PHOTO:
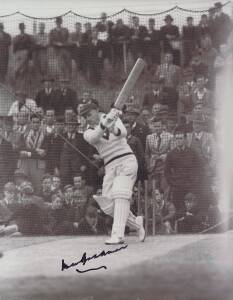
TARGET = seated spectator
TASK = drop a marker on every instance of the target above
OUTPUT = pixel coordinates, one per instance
(170, 39)
(201, 94)
(8, 205)
(81, 195)
(169, 72)
(19, 177)
(92, 223)
(164, 213)
(30, 217)
(32, 151)
(46, 191)
(23, 104)
(193, 219)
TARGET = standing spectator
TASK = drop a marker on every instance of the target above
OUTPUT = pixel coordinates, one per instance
(40, 51)
(136, 145)
(60, 56)
(47, 97)
(120, 35)
(68, 97)
(33, 149)
(137, 34)
(76, 40)
(71, 161)
(137, 129)
(157, 147)
(170, 39)
(55, 146)
(22, 49)
(190, 40)
(95, 58)
(5, 42)
(169, 72)
(49, 122)
(6, 158)
(222, 26)
(204, 27)
(183, 171)
(84, 53)
(22, 104)
(152, 44)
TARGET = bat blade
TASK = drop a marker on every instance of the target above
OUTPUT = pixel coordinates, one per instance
(129, 84)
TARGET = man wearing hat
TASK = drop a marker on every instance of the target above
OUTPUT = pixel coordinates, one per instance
(60, 50)
(71, 161)
(22, 103)
(183, 171)
(152, 41)
(137, 129)
(222, 26)
(169, 34)
(190, 40)
(68, 96)
(137, 33)
(47, 96)
(108, 135)
(5, 42)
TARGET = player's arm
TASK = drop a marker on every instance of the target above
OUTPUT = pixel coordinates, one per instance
(92, 136)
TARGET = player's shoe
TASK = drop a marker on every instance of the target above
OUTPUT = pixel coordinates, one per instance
(141, 231)
(114, 240)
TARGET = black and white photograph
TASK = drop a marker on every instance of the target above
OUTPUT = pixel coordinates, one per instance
(116, 150)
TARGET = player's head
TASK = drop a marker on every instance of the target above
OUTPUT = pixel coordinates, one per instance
(90, 112)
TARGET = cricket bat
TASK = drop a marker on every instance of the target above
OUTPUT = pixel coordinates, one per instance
(130, 83)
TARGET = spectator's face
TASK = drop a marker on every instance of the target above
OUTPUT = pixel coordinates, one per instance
(39, 111)
(36, 124)
(50, 117)
(179, 140)
(103, 16)
(47, 185)
(168, 58)
(91, 219)
(157, 127)
(69, 194)
(22, 27)
(69, 114)
(78, 182)
(59, 128)
(131, 117)
(198, 108)
(158, 198)
(145, 115)
(200, 82)
(56, 183)
(9, 195)
(151, 25)
(190, 203)
(92, 117)
(22, 118)
(86, 97)
(57, 202)
(156, 108)
(197, 127)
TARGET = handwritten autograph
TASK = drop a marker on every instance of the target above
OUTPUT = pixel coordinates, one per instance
(85, 259)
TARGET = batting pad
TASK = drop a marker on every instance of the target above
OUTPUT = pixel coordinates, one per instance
(122, 187)
(121, 213)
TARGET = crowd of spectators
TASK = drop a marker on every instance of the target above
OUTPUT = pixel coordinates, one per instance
(48, 173)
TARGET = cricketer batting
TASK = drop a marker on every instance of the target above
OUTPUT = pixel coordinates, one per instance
(108, 135)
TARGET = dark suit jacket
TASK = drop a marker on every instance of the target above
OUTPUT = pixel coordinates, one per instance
(67, 99)
(47, 101)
